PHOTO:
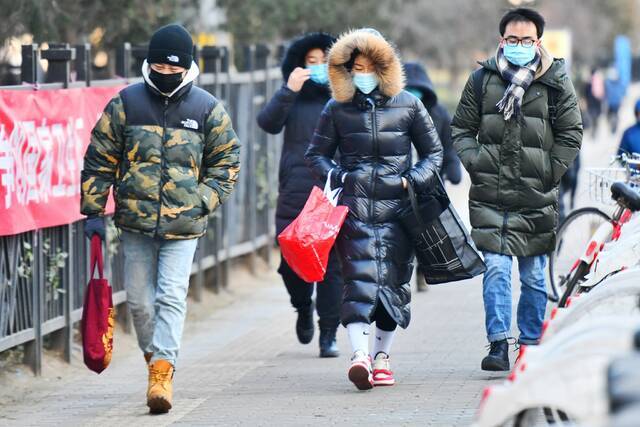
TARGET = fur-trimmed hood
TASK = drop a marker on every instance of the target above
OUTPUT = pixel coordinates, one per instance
(371, 44)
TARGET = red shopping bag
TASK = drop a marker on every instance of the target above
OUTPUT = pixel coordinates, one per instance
(98, 315)
(307, 241)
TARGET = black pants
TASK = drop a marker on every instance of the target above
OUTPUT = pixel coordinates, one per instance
(329, 291)
(383, 319)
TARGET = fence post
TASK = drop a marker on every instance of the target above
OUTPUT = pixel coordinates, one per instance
(29, 67)
(68, 297)
(83, 63)
(59, 56)
(272, 167)
(123, 60)
(250, 56)
(138, 54)
(224, 66)
(33, 349)
(262, 58)
(199, 281)
(210, 61)
(210, 58)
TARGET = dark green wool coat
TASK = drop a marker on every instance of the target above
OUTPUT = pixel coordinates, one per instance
(515, 168)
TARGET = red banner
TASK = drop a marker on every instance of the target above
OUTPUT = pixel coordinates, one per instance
(43, 137)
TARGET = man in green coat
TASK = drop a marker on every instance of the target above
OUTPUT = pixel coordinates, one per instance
(517, 129)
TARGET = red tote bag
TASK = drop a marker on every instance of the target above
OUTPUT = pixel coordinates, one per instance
(98, 314)
(306, 243)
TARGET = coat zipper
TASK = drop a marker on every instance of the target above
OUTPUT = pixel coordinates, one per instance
(374, 128)
(162, 161)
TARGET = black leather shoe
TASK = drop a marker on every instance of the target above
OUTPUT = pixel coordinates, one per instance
(498, 358)
(304, 325)
(328, 345)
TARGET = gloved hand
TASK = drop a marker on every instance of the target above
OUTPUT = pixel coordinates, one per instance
(337, 179)
(95, 225)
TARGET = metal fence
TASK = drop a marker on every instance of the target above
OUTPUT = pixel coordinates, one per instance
(43, 273)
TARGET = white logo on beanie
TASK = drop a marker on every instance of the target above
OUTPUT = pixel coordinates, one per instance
(173, 58)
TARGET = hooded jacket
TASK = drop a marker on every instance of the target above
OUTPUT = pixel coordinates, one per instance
(170, 158)
(373, 135)
(515, 168)
(417, 77)
(297, 113)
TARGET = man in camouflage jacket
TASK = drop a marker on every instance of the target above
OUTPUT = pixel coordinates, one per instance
(170, 153)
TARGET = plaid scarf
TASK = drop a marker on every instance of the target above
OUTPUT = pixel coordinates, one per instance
(520, 78)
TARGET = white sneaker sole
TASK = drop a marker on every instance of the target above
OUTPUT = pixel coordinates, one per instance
(381, 383)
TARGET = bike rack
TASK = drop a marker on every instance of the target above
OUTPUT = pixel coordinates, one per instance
(567, 373)
(617, 294)
(619, 256)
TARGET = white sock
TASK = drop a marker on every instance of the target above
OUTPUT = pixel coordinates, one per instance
(359, 336)
(382, 342)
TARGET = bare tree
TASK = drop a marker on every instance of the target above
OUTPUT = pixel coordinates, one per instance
(450, 34)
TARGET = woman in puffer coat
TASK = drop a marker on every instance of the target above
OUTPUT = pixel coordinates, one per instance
(372, 122)
(296, 107)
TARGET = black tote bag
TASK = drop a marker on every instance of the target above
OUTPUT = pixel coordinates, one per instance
(444, 249)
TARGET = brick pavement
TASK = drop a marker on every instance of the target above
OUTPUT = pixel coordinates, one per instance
(243, 366)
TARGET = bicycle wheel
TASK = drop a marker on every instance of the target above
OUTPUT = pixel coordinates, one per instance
(572, 239)
(573, 283)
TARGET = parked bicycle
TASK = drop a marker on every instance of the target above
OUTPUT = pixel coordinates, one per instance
(622, 183)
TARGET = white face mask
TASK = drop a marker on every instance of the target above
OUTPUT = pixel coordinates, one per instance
(366, 82)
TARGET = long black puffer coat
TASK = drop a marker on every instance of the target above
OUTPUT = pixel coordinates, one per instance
(373, 135)
(297, 113)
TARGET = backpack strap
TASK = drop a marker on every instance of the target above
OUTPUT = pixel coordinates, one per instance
(478, 82)
(478, 90)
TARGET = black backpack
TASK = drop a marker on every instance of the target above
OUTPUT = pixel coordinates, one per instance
(478, 89)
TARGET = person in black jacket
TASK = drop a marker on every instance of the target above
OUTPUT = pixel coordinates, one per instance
(420, 85)
(372, 123)
(296, 107)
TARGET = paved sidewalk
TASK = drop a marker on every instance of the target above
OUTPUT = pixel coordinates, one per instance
(243, 366)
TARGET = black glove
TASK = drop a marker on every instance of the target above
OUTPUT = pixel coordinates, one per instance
(95, 225)
(337, 178)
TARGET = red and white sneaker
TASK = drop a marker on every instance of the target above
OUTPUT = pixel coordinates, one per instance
(360, 371)
(382, 375)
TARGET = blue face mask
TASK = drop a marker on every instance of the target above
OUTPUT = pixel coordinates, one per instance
(415, 92)
(319, 73)
(519, 55)
(366, 82)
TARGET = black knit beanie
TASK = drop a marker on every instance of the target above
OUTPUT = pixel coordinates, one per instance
(171, 45)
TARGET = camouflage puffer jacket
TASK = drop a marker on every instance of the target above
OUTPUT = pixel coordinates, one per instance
(171, 161)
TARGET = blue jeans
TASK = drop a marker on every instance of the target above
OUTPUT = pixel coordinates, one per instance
(496, 292)
(156, 278)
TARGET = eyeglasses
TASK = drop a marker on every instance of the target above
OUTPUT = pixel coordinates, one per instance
(513, 42)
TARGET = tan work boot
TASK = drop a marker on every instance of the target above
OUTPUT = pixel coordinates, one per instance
(160, 389)
(148, 356)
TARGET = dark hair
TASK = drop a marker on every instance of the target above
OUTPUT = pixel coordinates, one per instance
(352, 60)
(523, 14)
